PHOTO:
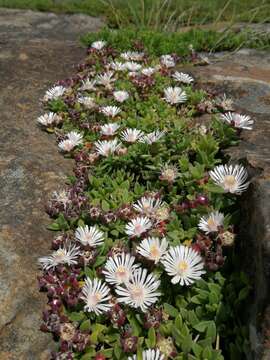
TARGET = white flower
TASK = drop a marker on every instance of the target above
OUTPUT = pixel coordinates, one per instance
(107, 147)
(184, 264)
(119, 268)
(149, 354)
(118, 66)
(98, 45)
(49, 119)
(106, 79)
(169, 173)
(182, 77)
(152, 137)
(162, 214)
(96, 295)
(148, 205)
(138, 226)
(231, 178)
(238, 120)
(89, 235)
(141, 290)
(212, 222)
(132, 55)
(131, 135)
(153, 248)
(109, 129)
(73, 139)
(175, 95)
(132, 74)
(120, 96)
(54, 93)
(64, 255)
(61, 196)
(225, 103)
(111, 111)
(88, 85)
(148, 71)
(132, 66)
(167, 61)
(87, 101)
(202, 130)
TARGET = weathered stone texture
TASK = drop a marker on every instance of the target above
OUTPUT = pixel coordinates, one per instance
(36, 50)
(245, 76)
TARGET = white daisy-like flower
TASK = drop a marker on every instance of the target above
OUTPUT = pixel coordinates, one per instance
(106, 79)
(162, 214)
(107, 147)
(61, 196)
(202, 130)
(148, 205)
(96, 296)
(175, 95)
(98, 45)
(149, 354)
(225, 103)
(49, 119)
(153, 248)
(138, 226)
(64, 255)
(87, 101)
(184, 264)
(109, 129)
(54, 93)
(131, 135)
(132, 74)
(141, 290)
(212, 222)
(110, 111)
(133, 66)
(231, 178)
(167, 61)
(132, 55)
(152, 137)
(169, 173)
(88, 85)
(118, 66)
(148, 71)
(238, 120)
(183, 77)
(89, 235)
(73, 139)
(119, 268)
(120, 95)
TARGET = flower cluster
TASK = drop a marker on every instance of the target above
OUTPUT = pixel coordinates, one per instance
(144, 220)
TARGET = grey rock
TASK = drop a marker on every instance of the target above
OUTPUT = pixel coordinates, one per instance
(37, 49)
(245, 76)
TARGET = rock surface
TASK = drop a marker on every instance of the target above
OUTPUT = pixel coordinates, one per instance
(37, 49)
(245, 76)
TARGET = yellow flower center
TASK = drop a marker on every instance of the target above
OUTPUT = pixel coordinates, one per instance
(95, 298)
(182, 266)
(138, 228)
(121, 272)
(154, 251)
(60, 255)
(212, 224)
(229, 182)
(137, 293)
(169, 174)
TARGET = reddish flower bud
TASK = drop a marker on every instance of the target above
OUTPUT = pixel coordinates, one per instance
(100, 356)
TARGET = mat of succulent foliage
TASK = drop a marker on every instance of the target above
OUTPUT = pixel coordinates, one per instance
(147, 222)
